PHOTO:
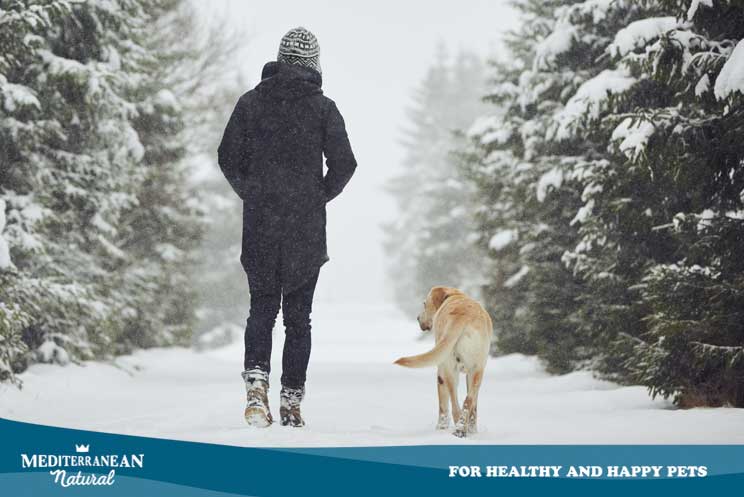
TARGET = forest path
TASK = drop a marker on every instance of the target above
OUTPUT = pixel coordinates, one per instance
(355, 396)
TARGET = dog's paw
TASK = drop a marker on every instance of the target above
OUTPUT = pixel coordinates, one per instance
(443, 422)
(461, 429)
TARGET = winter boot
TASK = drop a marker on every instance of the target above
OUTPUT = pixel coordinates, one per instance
(289, 411)
(257, 411)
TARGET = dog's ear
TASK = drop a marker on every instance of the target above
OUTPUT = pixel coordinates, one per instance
(439, 294)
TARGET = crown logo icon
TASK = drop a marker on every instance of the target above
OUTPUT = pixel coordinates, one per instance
(82, 448)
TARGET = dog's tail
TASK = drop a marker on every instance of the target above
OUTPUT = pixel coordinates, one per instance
(435, 356)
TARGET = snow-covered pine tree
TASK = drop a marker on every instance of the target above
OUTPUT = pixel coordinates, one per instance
(528, 193)
(19, 28)
(687, 143)
(73, 157)
(605, 258)
(69, 164)
(430, 243)
(646, 127)
(162, 231)
(200, 73)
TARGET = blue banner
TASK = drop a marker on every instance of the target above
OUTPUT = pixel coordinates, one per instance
(41, 460)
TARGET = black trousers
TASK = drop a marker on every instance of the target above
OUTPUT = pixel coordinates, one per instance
(296, 308)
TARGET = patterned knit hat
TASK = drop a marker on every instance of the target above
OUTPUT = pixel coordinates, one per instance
(299, 46)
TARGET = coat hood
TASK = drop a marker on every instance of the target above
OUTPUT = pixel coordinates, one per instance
(289, 82)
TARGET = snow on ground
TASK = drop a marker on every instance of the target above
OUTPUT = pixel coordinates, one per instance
(355, 396)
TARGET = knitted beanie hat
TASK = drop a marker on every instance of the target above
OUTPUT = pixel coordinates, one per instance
(299, 46)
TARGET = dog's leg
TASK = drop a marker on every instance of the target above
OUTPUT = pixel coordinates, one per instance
(473, 421)
(474, 382)
(467, 420)
(444, 398)
(451, 378)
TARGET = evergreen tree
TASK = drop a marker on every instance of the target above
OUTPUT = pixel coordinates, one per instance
(668, 156)
(688, 143)
(70, 158)
(613, 151)
(526, 192)
(99, 221)
(431, 241)
(163, 229)
(201, 73)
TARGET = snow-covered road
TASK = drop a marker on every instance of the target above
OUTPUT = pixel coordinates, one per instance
(355, 396)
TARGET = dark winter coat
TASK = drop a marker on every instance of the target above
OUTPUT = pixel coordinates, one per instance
(272, 156)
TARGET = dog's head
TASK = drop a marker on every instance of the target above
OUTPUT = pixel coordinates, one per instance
(433, 302)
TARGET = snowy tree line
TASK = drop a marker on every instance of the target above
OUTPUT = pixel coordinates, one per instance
(431, 240)
(608, 192)
(102, 103)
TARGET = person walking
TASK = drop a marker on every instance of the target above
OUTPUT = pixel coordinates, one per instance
(272, 156)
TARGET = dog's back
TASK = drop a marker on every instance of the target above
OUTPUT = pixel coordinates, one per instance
(461, 327)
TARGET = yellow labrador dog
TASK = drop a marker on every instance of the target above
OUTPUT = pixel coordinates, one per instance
(462, 330)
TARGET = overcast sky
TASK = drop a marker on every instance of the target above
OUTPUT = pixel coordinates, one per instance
(373, 54)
